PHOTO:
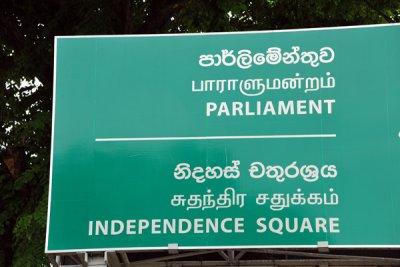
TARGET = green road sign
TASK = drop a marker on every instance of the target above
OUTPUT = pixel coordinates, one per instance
(226, 140)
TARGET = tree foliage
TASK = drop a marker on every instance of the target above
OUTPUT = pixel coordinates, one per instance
(27, 30)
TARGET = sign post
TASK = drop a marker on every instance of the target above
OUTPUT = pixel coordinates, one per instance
(277, 139)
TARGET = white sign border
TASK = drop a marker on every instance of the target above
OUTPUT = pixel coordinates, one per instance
(181, 35)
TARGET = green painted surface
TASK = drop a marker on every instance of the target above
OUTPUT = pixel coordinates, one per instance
(138, 87)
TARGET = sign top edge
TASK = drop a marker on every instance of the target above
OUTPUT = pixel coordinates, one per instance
(227, 33)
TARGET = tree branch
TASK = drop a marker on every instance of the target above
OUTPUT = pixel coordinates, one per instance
(380, 12)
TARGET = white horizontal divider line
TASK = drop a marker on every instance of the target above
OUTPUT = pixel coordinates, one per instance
(180, 138)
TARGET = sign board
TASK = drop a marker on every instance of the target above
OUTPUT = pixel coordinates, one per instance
(226, 140)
